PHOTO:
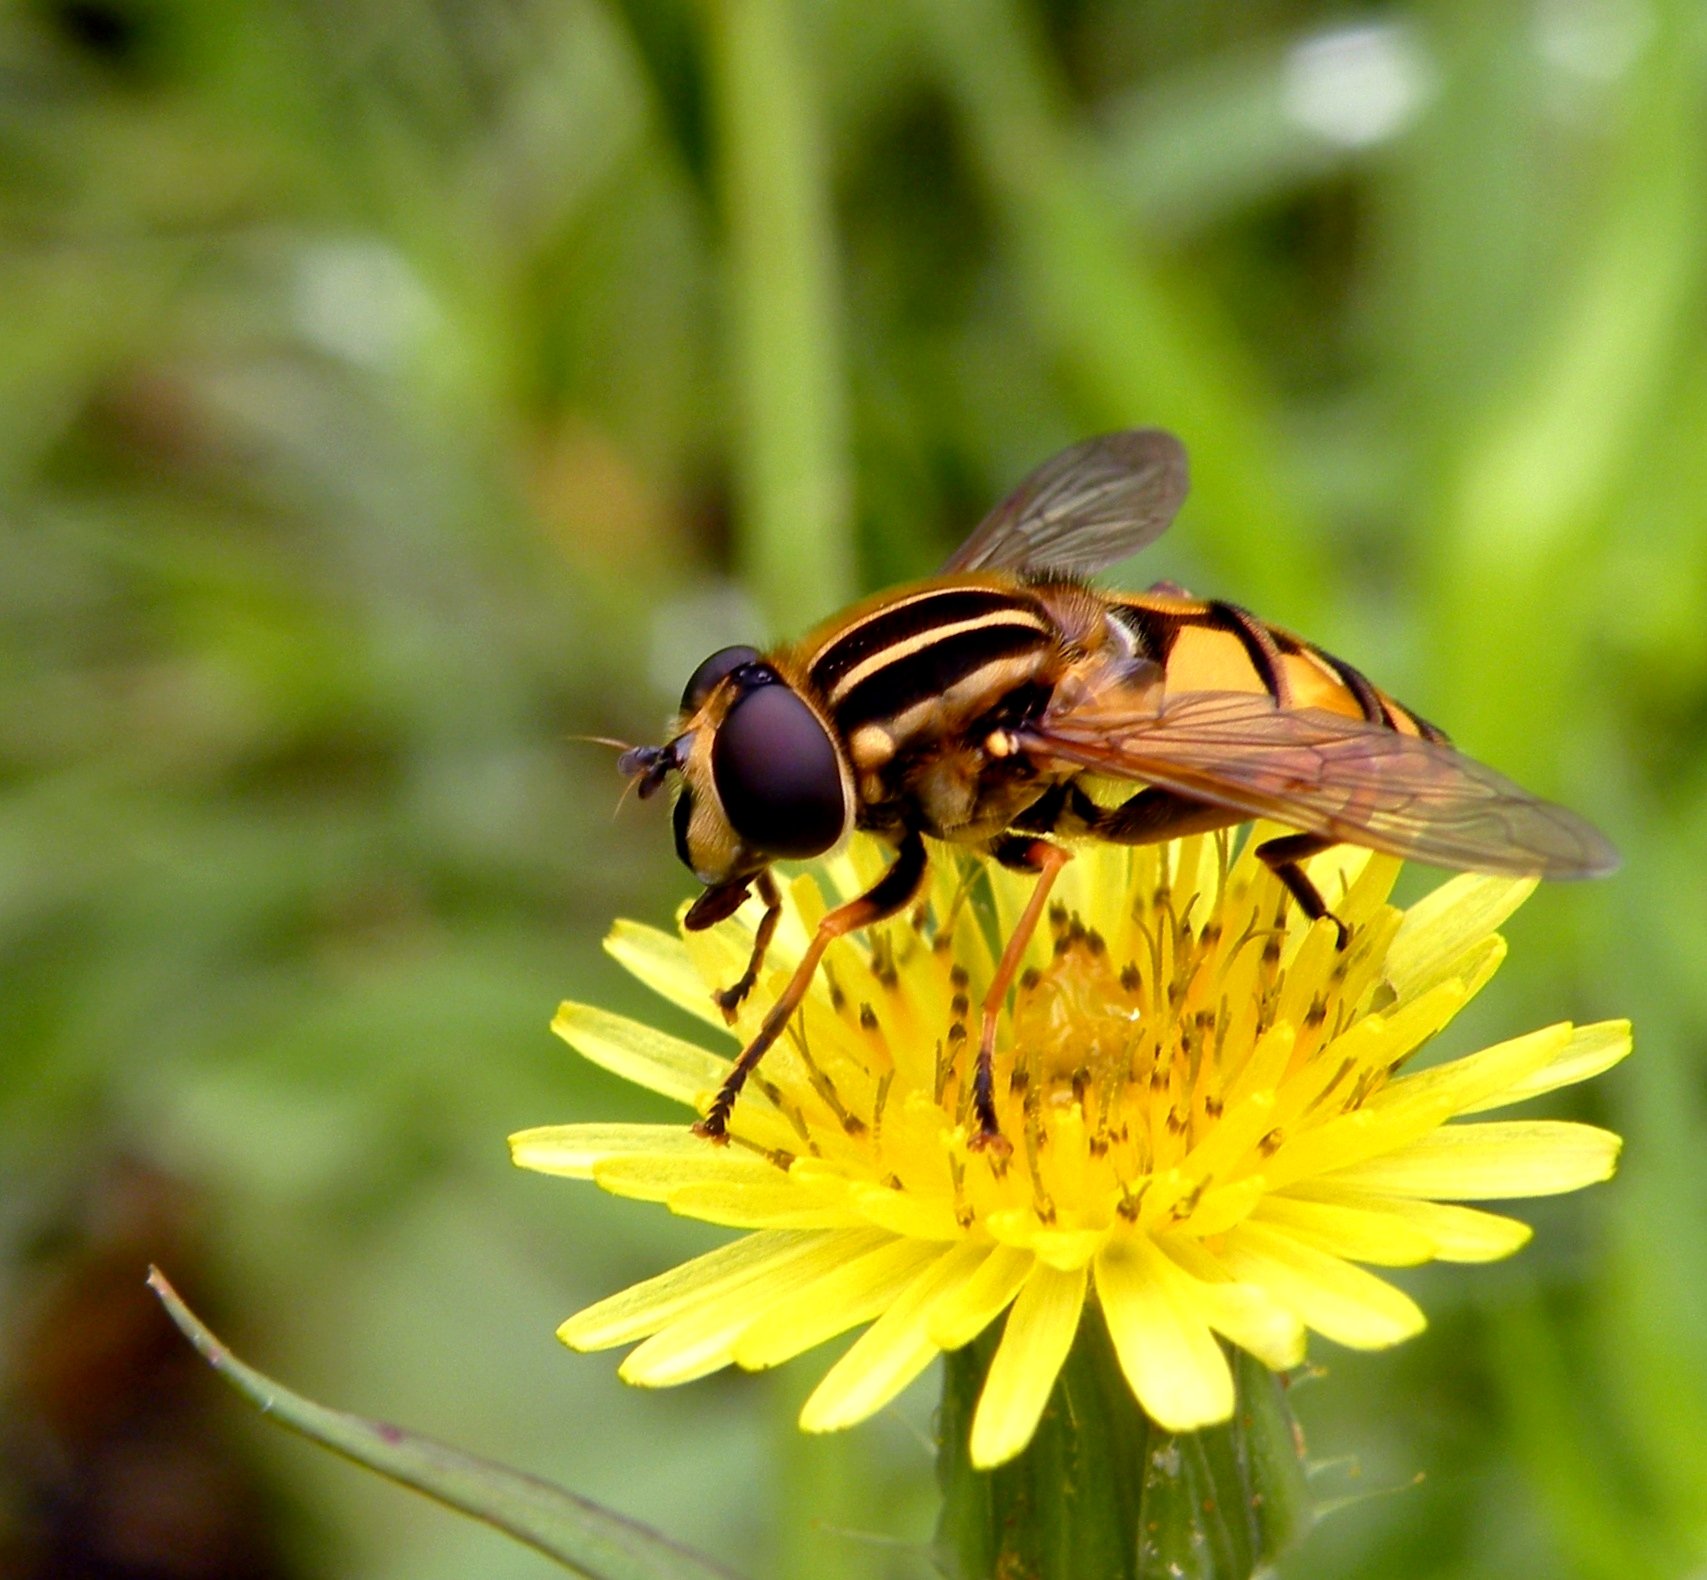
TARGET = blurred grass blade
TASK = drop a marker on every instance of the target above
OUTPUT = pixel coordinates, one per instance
(1559, 443)
(791, 451)
(1261, 122)
(1142, 341)
(584, 1538)
(1559, 1442)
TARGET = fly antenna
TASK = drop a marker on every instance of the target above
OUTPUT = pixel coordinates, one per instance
(622, 800)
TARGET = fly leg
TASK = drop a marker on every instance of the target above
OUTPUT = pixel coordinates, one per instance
(884, 898)
(1155, 814)
(1046, 860)
(1282, 857)
(1152, 815)
(729, 1000)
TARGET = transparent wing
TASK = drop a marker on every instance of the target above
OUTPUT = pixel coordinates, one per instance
(1084, 508)
(1324, 774)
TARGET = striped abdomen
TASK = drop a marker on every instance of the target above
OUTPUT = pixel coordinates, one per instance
(1205, 645)
(921, 662)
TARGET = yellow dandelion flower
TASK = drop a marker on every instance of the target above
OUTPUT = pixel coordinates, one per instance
(1212, 1119)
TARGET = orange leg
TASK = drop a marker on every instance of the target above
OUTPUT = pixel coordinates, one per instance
(1046, 860)
(888, 895)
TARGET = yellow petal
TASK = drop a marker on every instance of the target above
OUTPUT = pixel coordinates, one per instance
(662, 962)
(1170, 1357)
(1305, 969)
(1482, 1162)
(1442, 927)
(1015, 1226)
(1067, 1248)
(894, 1349)
(1472, 971)
(1231, 1143)
(1477, 966)
(1265, 1068)
(1481, 1079)
(572, 1150)
(1039, 1332)
(1244, 1313)
(1360, 1234)
(1338, 1300)
(907, 1212)
(655, 1178)
(774, 1203)
(1369, 890)
(704, 1338)
(1380, 1041)
(1351, 1138)
(1460, 1234)
(718, 957)
(696, 1344)
(637, 1053)
(837, 1300)
(806, 903)
(643, 1308)
(960, 1316)
(1591, 1050)
(1219, 1208)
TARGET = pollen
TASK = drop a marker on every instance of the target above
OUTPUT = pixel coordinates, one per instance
(1217, 1120)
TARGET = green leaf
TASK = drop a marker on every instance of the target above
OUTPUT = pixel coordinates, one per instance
(586, 1539)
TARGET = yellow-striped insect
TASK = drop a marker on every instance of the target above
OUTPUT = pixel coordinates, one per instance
(976, 707)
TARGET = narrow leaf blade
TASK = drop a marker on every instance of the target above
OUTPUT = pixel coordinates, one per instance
(586, 1539)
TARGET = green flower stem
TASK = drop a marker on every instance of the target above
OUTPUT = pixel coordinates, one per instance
(1102, 1491)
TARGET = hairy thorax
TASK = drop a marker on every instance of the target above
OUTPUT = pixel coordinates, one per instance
(940, 767)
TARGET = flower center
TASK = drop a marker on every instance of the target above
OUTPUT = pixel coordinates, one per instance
(1148, 1068)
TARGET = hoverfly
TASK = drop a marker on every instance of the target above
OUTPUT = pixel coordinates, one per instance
(975, 707)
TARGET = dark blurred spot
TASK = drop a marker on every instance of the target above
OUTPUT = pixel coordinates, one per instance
(117, 1451)
(101, 29)
(1288, 270)
(668, 36)
(123, 37)
(709, 509)
(928, 229)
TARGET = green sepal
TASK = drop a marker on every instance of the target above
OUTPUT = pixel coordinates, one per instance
(1102, 1491)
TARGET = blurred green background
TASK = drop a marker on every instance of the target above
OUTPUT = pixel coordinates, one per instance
(391, 389)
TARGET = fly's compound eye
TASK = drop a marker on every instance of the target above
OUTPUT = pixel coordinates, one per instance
(777, 775)
(702, 681)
